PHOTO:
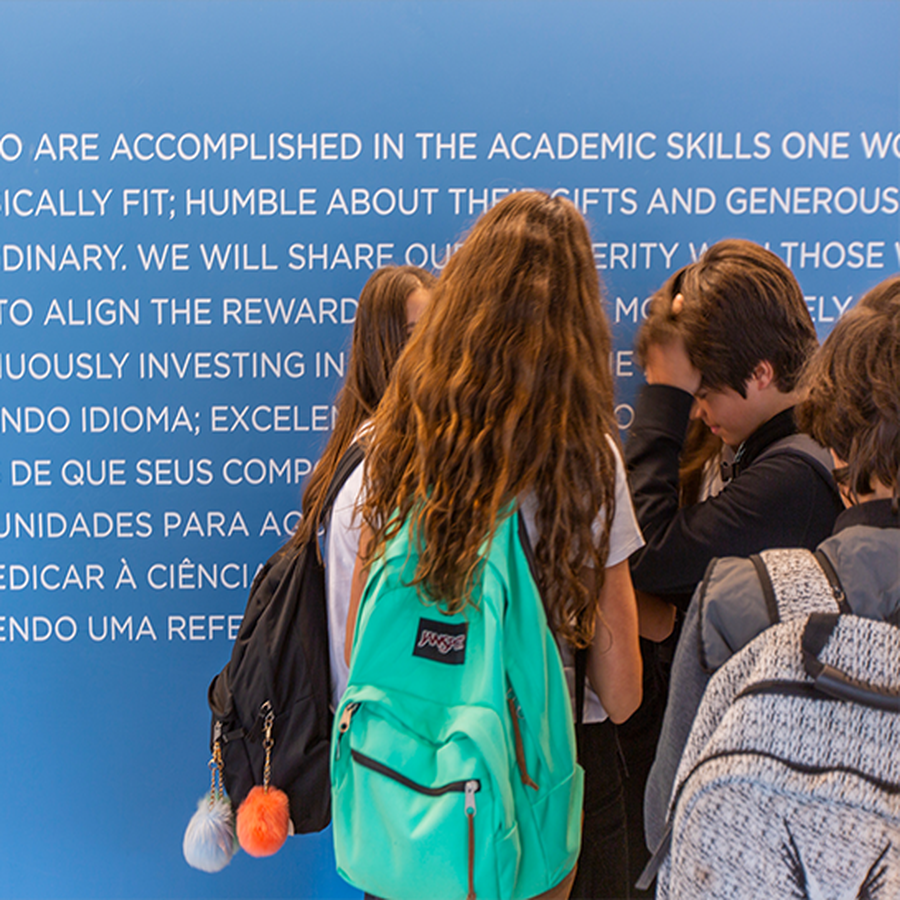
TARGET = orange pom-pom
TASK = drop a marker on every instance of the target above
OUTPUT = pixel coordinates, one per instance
(263, 821)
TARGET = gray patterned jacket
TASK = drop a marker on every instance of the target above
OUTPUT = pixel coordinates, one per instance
(730, 608)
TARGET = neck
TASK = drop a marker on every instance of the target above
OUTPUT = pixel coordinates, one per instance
(779, 402)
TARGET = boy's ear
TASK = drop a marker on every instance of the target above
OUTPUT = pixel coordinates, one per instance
(763, 374)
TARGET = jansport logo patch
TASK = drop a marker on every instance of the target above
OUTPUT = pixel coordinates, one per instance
(441, 641)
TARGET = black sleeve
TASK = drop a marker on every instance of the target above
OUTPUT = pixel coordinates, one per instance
(652, 453)
(779, 501)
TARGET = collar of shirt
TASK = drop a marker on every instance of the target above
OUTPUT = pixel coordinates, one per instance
(875, 513)
(779, 426)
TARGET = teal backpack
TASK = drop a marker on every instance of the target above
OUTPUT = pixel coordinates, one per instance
(453, 764)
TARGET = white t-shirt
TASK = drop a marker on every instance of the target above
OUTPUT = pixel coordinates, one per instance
(624, 539)
(342, 545)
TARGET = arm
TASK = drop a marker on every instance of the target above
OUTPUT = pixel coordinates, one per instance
(357, 586)
(777, 502)
(614, 665)
(652, 455)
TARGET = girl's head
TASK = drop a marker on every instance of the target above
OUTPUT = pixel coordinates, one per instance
(504, 390)
(390, 304)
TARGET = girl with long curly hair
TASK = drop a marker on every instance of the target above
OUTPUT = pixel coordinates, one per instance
(504, 395)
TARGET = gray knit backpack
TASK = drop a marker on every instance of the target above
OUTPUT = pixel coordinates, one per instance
(789, 785)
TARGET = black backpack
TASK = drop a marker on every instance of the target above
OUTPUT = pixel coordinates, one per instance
(279, 668)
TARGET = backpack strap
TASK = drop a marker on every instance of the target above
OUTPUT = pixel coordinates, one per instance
(839, 596)
(768, 588)
(805, 448)
(833, 682)
(352, 457)
(347, 464)
(797, 583)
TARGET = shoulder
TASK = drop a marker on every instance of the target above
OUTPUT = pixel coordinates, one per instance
(788, 468)
(799, 446)
(731, 607)
(625, 535)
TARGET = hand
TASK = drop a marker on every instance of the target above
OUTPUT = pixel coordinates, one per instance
(670, 364)
(667, 362)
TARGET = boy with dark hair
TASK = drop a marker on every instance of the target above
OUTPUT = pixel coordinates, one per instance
(743, 334)
(852, 407)
(736, 336)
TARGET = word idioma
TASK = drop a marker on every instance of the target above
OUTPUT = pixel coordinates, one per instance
(95, 419)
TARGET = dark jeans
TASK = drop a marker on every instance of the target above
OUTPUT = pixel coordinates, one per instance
(603, 862)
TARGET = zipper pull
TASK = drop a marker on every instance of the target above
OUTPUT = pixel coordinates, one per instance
(344, 724)
(346, 716)
(471, 787)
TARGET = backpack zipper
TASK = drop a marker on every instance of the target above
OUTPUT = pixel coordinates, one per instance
(471, 788)
(515, 712)
(468, 787)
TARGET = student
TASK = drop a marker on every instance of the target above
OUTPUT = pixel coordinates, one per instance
(747, 333)
(738, 335)
(853, 407)
(389, 306)
(505, 393)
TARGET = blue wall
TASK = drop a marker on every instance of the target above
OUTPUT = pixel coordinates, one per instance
(126, 492)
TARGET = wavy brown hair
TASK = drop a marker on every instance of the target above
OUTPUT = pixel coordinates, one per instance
(504, 390)
(379, 336)
(853, 400)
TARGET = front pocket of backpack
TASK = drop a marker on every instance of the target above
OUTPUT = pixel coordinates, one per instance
(405, 826)
(418, 834)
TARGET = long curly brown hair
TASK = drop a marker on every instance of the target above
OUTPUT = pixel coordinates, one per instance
(505, 390)
(379, 336)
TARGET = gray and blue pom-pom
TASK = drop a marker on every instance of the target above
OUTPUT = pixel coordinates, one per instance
(210, 840)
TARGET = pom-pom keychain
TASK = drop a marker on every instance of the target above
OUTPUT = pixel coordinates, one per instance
(210, 841)
(263, 819)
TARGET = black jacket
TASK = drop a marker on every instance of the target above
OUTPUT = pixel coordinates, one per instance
(780, 500)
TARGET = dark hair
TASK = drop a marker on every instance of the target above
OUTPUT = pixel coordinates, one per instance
(504, 390)
(742, 305)
(853, 383)
(379, 336)
(662, 324)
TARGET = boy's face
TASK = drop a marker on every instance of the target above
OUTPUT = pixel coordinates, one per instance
(729, 415)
